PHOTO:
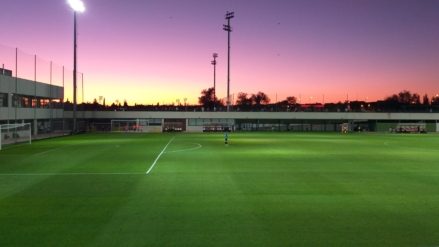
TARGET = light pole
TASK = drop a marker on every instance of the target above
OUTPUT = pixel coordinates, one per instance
(76, 5)
(228, 28)
(214, 70)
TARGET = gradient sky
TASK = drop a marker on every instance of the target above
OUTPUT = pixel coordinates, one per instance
(149, 51)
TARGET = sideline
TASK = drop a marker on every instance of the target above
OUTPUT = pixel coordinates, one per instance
(66, 174)
(159, 155)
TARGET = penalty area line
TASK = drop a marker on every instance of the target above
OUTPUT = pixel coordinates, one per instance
(54, 149)
(159, 155)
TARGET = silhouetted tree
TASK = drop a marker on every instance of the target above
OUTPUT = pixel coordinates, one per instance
(405, 97)
(259, 98)
(390, 103)
(291, 100)
(426, 100)
(243, 99)
(207, 97)
(416, 99)
(435, 100)
(113, 107)
(393, 98)
(95, 105)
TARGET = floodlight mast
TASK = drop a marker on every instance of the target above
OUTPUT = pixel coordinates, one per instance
(214, 72)
(228, 28)
(76, 5)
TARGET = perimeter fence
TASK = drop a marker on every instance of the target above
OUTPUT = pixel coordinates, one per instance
(24, 105)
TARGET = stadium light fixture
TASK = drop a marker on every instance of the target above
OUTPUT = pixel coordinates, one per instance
(228, 28)
(77, 6)
(214, 72)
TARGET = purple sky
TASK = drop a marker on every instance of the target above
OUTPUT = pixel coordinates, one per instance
(148, 51)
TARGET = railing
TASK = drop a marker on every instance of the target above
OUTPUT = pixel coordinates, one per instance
(33, 68)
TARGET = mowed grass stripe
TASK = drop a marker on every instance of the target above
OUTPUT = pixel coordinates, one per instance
(272, 189)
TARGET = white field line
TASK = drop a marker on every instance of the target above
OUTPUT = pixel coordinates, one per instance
(199, 146)
(67, 174)
(16, 155)
(387, 144)
(14, 146)
(54, 149)
(159, 155)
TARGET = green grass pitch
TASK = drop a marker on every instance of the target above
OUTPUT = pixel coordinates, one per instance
(264, 189)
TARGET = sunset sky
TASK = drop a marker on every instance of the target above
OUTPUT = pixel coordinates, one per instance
(149, 51)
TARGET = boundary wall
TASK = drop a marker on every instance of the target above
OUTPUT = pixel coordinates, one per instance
(314, 121)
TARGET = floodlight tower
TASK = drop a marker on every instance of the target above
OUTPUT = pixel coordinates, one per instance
(228, 28)
(76, 5)
(214, 70)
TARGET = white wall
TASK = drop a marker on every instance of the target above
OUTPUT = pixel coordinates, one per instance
(255, 115)
(194, 128)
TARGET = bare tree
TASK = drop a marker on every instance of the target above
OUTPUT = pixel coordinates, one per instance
(243, 99)
(405, 97)
(259, 98)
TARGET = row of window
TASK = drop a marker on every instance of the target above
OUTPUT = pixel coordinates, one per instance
(204, 121)
(30, 102)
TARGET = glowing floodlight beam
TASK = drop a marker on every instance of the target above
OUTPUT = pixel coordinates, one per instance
(76, 5)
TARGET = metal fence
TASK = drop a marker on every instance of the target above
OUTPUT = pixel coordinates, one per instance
(31, 67)
(17, 63)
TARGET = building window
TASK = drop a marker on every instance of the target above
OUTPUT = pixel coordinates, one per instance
(3, 99)
(25, 101)
(14, 100)
(21, 101)
(35, 103)
(44, 103)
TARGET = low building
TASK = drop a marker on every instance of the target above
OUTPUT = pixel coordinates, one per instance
(37, 103)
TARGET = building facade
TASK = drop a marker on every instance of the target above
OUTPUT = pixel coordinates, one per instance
(25, 101)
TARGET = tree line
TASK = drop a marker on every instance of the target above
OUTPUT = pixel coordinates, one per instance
(406, 98)
(402, 101)
(207, 99)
